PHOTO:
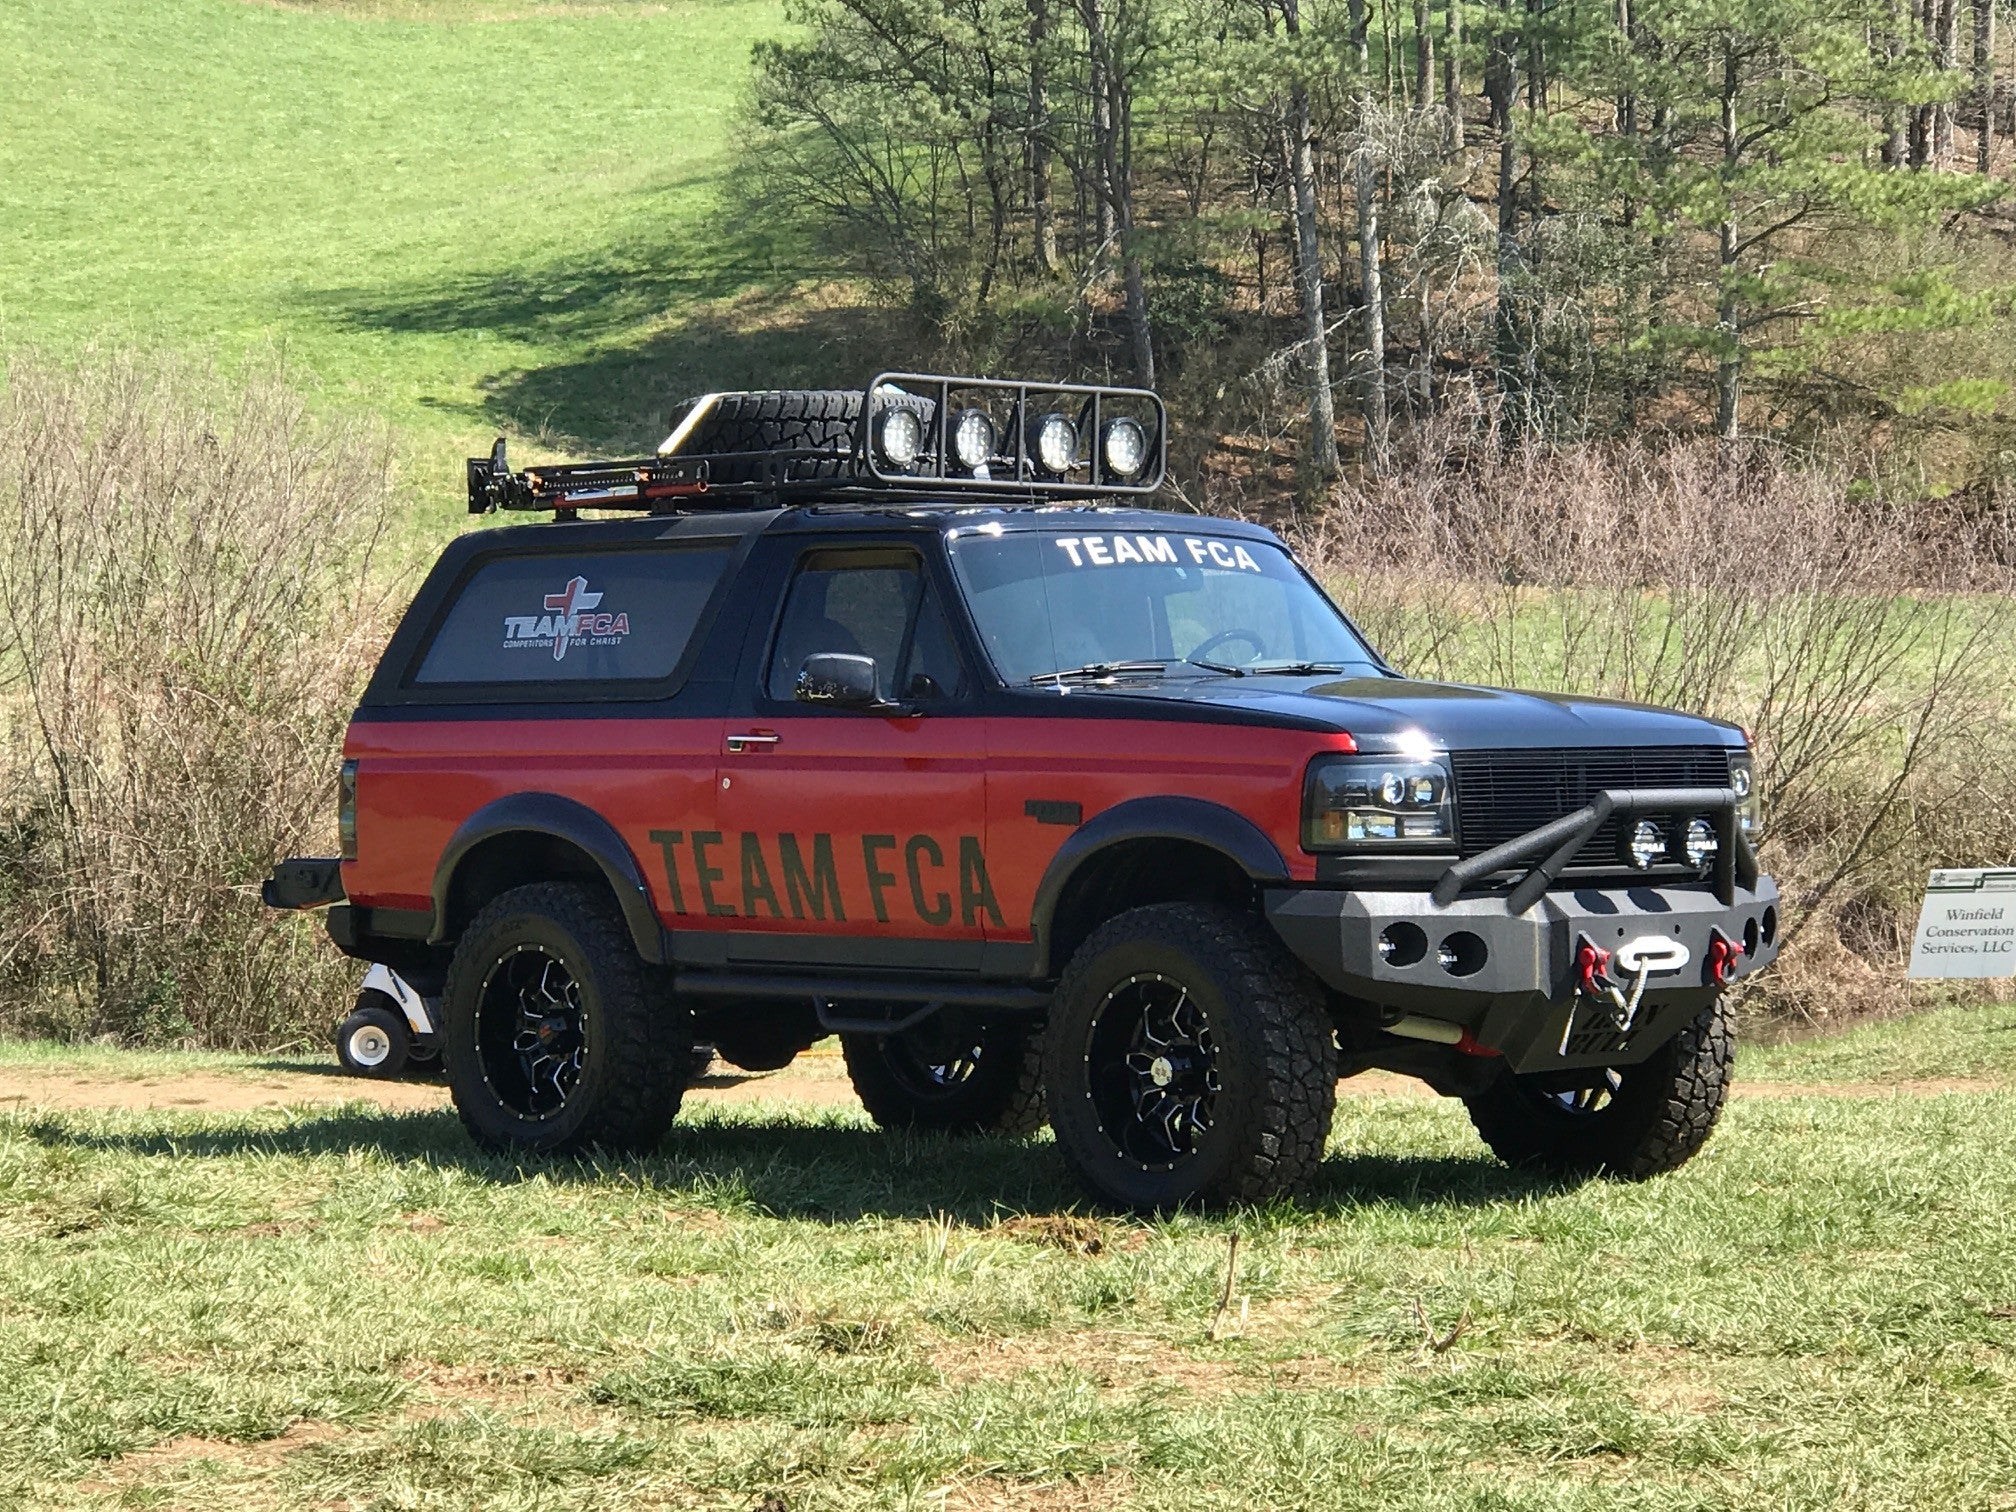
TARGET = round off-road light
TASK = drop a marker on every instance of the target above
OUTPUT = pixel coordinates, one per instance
(1125, 447)
(973, 440)
(1646, 845)
(901, 437)
(1056, 445)
(1699, 843)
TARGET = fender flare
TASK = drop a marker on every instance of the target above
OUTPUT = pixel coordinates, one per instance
(1195, 820)
(562, 819)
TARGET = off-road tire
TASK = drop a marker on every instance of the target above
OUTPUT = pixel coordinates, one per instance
(1002, 1092)
(1659, 1115)
(1273, 1052)
(375, 1015)
(638, 1043)
(779, 420)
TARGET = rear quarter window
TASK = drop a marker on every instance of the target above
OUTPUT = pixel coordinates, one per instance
(573, 617)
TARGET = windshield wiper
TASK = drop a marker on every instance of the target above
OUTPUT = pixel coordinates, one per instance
(1092, 671)
(1297, 668)
(1095, 671)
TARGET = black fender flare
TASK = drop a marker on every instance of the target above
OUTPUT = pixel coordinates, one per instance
(1195, 820)
(563, 819)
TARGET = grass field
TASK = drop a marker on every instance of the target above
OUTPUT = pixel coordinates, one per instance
(458, 215)
(336, 1306)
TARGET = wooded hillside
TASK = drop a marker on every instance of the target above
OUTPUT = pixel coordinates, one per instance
(1333, 225)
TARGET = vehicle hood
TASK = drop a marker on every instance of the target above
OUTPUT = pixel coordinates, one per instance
(1391, 713)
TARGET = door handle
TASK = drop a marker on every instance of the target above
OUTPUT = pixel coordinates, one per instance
(740, 745)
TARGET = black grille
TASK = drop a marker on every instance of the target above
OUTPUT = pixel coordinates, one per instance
(1500, 795)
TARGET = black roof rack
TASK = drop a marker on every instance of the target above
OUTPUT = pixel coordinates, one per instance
(882, 461)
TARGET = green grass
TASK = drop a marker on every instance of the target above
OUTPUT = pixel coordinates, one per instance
(339, 1307)
(459, 215)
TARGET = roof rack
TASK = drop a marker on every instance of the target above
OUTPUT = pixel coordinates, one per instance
(912, 436)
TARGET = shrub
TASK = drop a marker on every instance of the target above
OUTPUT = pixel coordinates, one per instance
(188, 607)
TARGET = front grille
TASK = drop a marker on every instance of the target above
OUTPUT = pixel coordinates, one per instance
(1500, 795)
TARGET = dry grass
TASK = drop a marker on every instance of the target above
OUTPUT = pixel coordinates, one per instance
(1867, 645)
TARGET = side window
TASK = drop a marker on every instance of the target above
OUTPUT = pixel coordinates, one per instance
(568, 617)
(867, 603)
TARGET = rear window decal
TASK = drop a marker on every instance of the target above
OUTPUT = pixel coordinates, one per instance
(569, 620)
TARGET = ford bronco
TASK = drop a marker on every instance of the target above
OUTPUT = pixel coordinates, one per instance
(891, 714)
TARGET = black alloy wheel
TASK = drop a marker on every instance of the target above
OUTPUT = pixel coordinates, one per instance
(1190, 1061)
(953, 1073)
(555, 1034)
(531, 1034)
(1626, 1121)
(1156, 1082)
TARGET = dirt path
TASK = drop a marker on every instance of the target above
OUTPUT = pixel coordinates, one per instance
(818, 1080)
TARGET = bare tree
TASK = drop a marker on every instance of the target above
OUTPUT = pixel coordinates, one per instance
(1365, 201)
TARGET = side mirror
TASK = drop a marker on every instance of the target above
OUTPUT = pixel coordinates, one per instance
(839, 679)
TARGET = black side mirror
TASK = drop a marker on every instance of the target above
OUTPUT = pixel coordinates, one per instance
(840, 679)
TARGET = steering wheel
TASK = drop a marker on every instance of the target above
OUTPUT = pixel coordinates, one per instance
(1214, 642)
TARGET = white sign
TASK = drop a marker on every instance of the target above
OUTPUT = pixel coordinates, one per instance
(1967, 927)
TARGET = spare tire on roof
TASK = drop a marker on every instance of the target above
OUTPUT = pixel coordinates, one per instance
(820, 421)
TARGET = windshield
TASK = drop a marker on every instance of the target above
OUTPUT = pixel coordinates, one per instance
(1049, 604)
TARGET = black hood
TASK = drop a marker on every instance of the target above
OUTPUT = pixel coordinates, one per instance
(1383, 713)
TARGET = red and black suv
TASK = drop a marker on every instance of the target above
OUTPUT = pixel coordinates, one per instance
(882, 715)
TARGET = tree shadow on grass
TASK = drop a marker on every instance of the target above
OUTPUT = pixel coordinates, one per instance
(631, 329)
(826, 1172)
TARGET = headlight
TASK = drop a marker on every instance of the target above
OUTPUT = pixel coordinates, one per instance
(1125, 447)
(901, 437)
(1376, 803)
(1749, 802)
(973, 440)
(1054, 440)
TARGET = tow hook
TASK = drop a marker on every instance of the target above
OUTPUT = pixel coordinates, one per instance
(1725, 959)
(1592, 978)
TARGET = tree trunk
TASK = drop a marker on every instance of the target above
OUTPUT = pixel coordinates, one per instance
(1919, 136)
(1323, 457)
(1102, 124)
(1729, 368)
(1984, 83)
(1501, 87)
(1452, 72)
(1365, 201)
(1424, 58)
(1039, 139)
(1947, 55)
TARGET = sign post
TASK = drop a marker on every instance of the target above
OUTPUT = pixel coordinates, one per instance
(1967, 925)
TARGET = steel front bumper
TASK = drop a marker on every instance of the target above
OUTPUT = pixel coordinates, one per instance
(1511, 980)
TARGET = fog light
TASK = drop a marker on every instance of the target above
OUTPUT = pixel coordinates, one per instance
(902, 437)
(1125, 447)
(1646, 845)
(973, 440)
(1700, 845)
(1056, 444)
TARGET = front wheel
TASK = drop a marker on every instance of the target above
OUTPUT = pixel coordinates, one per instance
(1190, 1062)
(1626, 1121)
(952, 1074)
(556, 1037)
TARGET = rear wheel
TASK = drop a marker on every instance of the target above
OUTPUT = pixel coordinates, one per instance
(373, 1041)
(556, 1036)
(1189, 1061)
(951, 1073)
(1628, 1121)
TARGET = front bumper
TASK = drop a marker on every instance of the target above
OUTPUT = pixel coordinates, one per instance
(1510, 979)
